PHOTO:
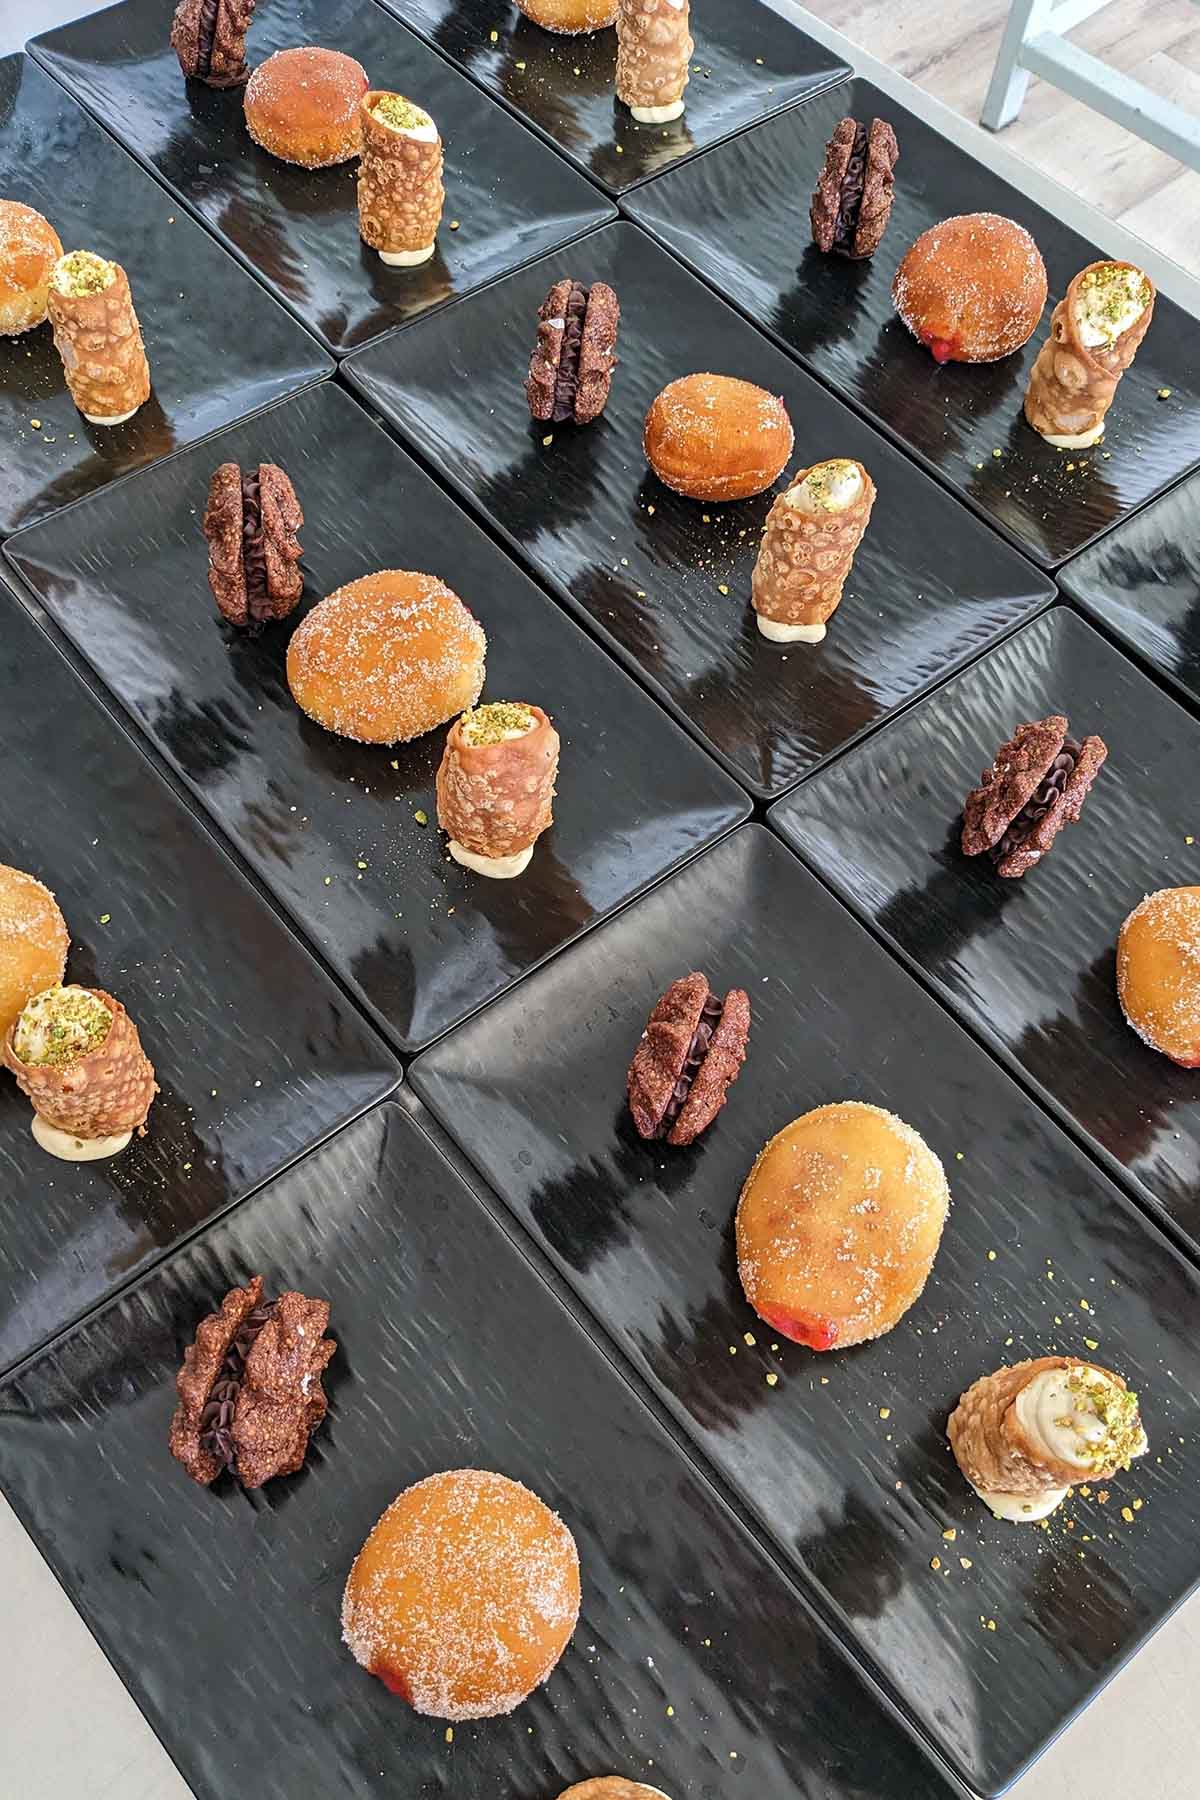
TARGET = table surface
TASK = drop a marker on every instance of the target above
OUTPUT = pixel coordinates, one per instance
(101, 1745)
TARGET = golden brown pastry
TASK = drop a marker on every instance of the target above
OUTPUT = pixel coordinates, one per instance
(495, 786)
(29, 249)
(971, 289)
(713, 437)
(569, 16)
(33, 942)
(813, 531)
(1158, 973)
(302, 105)
(400, 192)
(77, 1056)
(97, 334)
(654, 50)
(1095, 332)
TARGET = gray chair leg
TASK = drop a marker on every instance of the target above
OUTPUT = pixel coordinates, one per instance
(1006, 91)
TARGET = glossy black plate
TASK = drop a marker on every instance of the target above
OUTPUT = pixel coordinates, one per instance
(220, 1609)
(664, 580)
(843, 1457)
(257, 1054)
(740, 216)
(508, 197)
(332, 827)
(1031, 964)
(187, 291)
(1143, 583)
(748, 63)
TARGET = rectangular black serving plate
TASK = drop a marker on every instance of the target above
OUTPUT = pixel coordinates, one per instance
(843, 1457)
(258, 1056)
(220, 1608)
(508, 197)
(1142, 582)
(740, 216)
(1031, 964)
(343, 834)
(748, 62)
(218, 347)
(665, 581)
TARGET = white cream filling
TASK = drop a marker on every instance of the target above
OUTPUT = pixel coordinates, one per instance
(828, 487)
(499, 868)
(1077, 440)
(407, 259)
(779, 633)
(420, 134)
(1059, 1424)
(112, 419)
(1093, 314)
(69, 1148)
(657, 115)
(1023, 1509)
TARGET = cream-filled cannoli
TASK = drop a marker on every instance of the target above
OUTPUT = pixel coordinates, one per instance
(1095, 331)
(400, 192)
(96, 332)
(495, 786)
(77, 1056)
(813, 531)
(1025, 1436)
(653, 49)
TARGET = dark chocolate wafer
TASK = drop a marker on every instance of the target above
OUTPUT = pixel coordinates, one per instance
(689, 1055)
(1036, 784)
(250, 524)
(853, 198)
(570, 372)
(209, 38)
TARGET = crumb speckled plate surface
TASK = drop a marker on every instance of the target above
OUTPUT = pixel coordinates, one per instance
(1143, 582)
(740, 216)
(747, 63)
(220, 1608)
(508, 197)
(257, 1054)
(665, 580)
(345, 835)
(1031, 964)
(187, 291)
(843, 1456)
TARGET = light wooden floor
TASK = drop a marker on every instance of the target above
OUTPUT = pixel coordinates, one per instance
(950, 49)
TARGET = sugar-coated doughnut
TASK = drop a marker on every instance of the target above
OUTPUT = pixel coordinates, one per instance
(29, 249)
(33, 942)
(971, 289)
(302, 106)
(1158, 973)
(387, 658)
(464, 1596)
(838, 1225)
(569, 16)
(713, 437)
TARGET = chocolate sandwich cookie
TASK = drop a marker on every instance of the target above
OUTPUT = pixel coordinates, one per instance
(251, 521)
(1037, 784)
(209, 38)
(250, 1391)
(853, 198)
(690, 1053)
(570, 373)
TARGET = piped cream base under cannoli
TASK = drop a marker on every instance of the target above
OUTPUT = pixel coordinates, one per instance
(499, 868)
(1024, 1509)
(1079, 440)
(406, 259)
(69, 1148)
(779, 633)
(658, 115)
(113, 418)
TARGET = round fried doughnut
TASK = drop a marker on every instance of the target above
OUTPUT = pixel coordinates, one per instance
(1158, 973)
(838, 1225)
(713, 437)
(612, 1787)
(29, 249)
(387, 658)
(971, 289)
(302, 106)
(33, 942)
(464, 1596)
(569, 16)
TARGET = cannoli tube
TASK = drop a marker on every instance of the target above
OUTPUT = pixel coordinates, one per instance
(400, 192)
(654, 47)
(812, 533)
(96, 332)
(494, 798)
(1072, 382)
(105, 1093)
(1026, 1434)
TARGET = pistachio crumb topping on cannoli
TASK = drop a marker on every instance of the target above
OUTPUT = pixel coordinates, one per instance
(1110, 300)
(401, 114)
(496, 723)
(59, 1026)
(1082, 1417)
(83, 272)
(828, 487)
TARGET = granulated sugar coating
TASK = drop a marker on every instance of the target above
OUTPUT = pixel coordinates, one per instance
(464, 1596)
(971, 289)
(569, 17)
(838, 1225)
(387, 658)
(29, 249)
(1158, 973)
(713, 437)
(33, 942)
(302, 106)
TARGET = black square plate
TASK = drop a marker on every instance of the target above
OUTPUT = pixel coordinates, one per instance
(740, 216)
(664, 580)
(220, 1609)
(1031, 964)
(748, 63)
(843, 1457)
(187, 291)
(1143, 583)
(257, 1054)
(332, 827)
(507, 196)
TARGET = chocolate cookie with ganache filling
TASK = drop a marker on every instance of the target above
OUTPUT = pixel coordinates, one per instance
(690, 1054)
(570, 373)
(251, 521)
(209, 38)
(250, 1391)
(1037, 784)
(853, 198)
